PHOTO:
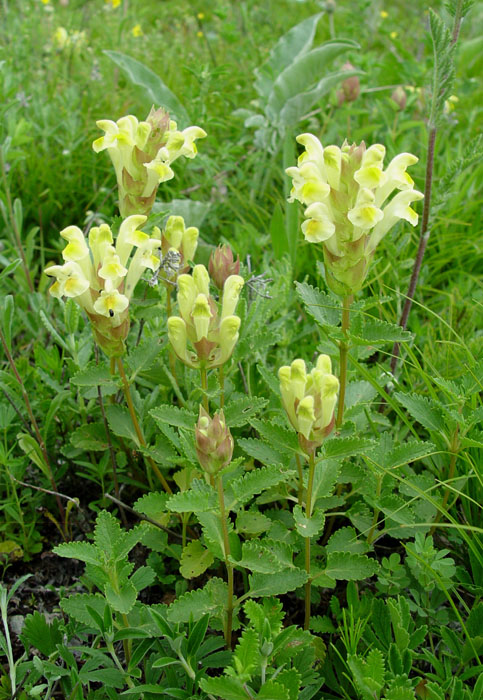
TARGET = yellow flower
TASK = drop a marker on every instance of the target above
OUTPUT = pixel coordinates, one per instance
(45, 2)
(384, 14)
(201, 15)
(199, 34)
(393, 35)
(136, 30)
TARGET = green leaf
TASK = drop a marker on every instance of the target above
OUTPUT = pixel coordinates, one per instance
(200, 498)
(90, 437)
(296, 42)
(153, 505)
(173, 415)
(345, 540)
(109, 677)
(143, 355)
(213, 532)
(107, 533)
(241, 490)
(345, 446)
(258, 558)
(275, 434)
(143, 577)
(261, 451)
(158, 93)
(424, 410)
(368, 673)
(396, 508)
(31, 448)
(246, 657)
(238, 413)
(76, 607)
(300, 74)
(251, 522)
(226, 688)
(291, 680)
(209, 600)
(325, 477)
(122, 600)
(311, 526)
(444, 69)
(271, 690)
(84, 551)
(371, 331)
(407, 452)
(42, 635)
(94, 375)
(195, 559)
(348, 566)
(120, 422)
(324, 309)
(276, 584)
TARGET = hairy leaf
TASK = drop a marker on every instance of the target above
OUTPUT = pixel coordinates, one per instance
(276, 584)
(195, 559)
(209, 600)
(348, 566)
(308, 526)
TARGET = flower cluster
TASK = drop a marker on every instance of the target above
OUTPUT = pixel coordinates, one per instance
(142, 154)
(309, 400)
(213, 442)
(346, 191)
(101, 276)
(213, 333)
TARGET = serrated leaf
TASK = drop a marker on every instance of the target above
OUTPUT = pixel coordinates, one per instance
(246, 657)
(238, 413)
(172, 415)
(276, 434)
(153, 505)
(209, 600)
(372, 331)
(224, 687)
(120, 422)
(42, 635)
(345, 540)
(407, 452)
(424, 410)
(323, 308)
(272, 690)
(261, 451)
(195, 559)
(90, 437)
(241, 490)
(308, 526)
(143, 355)
(338, 447)
(213, 532)
(200, 498)
(156, 90)
(348, 566)
(251, 522)
(107, 533)
(396, 508)
(276, 584)
(122, 600)
(291, 680)
(325, 477)
(83, 551)
(93, 375)
(257, 558)
(143, 577)
(269, 378)
(76, 607)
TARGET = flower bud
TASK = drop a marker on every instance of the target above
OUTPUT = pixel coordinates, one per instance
(350, 88)
(222, 265)
(214, 443)
(399, 97)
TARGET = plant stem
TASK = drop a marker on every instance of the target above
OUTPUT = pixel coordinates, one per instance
(301, 479)
(13, 223)
(204, 386)
(454, 450)
(229, 567)
(137, 427)
(111, 453)
(376, 511)
(343, 350)
(308, 512)
(171, 355)
(221, 376)
(35, 426)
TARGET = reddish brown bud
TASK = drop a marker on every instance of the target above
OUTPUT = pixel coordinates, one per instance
(214, 443)
(399, 97)
(222, 265)
(350, 88)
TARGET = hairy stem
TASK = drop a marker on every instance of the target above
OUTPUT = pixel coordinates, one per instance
(308, 513)
(229, 567)
(343, 350)
(204, 386)
(300, 492)
(221, 376)
(137, 427)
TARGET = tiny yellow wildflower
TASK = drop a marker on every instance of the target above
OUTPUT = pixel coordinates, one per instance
(201, 15)
(45, 2)
(115, 3)
(136, 30)
(384, 14)
(199, 34)
(393, 35)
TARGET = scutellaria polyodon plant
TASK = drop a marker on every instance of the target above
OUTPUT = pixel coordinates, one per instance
(349, 204)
